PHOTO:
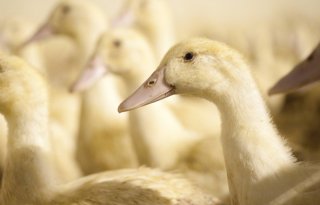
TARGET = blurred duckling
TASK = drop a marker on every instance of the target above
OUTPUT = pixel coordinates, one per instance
(13, 32)
(28, 178)
(66, 40)
(126, 53)
(153, 19)
(104, 142)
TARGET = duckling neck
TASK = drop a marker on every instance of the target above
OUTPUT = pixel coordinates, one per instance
(27, 173)
(87, 40)
(252, 148)
(104, 92)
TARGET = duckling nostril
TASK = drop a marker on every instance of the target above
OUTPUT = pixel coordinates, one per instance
(151, 83)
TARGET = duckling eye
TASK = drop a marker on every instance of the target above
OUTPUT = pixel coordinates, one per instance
(188, 56)
(65, 9)
(117, 43)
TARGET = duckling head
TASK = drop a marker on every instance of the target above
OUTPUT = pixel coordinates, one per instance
(119, 51)
(20, 85)
(72, 18)
(13, 32)
(198, 67)
(304, 73)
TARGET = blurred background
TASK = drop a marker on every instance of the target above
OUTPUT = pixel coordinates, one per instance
(207, 13)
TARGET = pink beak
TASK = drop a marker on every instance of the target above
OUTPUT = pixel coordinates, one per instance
(306, 72)
(152, 90)
(95, 70)
(43, 32)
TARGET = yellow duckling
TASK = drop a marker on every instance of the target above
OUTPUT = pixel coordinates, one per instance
(260, 167)
(104, 142)
(27, 175)
(66, 40)
(13, 31)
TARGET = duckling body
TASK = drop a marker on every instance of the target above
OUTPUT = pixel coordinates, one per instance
(28, 178)
(213, 71)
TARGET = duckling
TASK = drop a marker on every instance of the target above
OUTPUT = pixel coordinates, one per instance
(66, 40)
(175, 148)
(13, 32)
(152, 18)
(104, 142)
(98, 147)
(28, 178)
(260, 166)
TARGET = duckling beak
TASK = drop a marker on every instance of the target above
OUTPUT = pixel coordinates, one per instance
(43, 32)
(303, 74)
(152, 90)
(94, 70)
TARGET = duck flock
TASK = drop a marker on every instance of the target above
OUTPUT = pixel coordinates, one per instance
(121, 111)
